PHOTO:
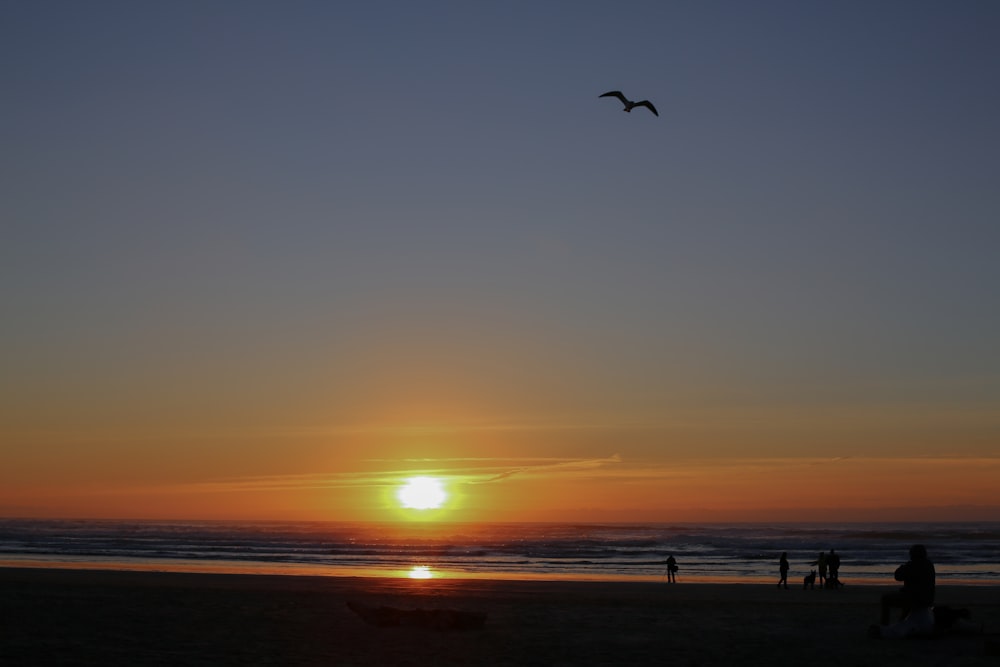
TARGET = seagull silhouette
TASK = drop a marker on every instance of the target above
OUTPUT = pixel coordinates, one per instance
(629, 104)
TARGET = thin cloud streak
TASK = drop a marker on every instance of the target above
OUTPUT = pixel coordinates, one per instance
(534, 468)
(74, 436)
(611, 469)
(554, 468)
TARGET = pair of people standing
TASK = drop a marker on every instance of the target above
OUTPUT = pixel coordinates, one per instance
(828, 563)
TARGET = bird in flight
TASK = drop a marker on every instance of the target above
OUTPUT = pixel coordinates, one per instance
(629, 104)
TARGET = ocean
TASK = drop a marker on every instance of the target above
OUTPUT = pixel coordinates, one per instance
(967, 553)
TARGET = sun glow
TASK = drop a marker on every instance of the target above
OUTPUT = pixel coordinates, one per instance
(420, 572)
(422, 493)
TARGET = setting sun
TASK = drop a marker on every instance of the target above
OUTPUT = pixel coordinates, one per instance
(420, 572)
(422, 493)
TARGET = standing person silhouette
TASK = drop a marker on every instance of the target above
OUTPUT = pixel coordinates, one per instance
(821, 563)
(671, 569)
(833, 562)
(783, 569)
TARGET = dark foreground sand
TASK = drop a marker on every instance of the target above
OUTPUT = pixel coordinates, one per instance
(77, 617)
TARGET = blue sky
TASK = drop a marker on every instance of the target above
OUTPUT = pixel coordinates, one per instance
(255, 218)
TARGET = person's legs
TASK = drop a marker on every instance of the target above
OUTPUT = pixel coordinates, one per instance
(891, 600)
(918, 623)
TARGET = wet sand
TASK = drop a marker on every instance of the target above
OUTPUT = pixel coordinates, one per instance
(95, 617)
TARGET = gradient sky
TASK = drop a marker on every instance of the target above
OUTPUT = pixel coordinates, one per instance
(264, 259)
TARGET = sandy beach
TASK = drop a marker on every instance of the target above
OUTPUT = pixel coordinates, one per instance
(82, 617)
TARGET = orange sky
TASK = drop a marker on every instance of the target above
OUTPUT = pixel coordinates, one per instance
(528, 448)
(351, 476)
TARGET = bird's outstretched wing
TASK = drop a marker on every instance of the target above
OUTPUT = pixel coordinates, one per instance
(648, 105)
(615, 93)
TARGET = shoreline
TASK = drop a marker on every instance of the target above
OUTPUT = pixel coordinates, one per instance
(117, 617)
(431, 572)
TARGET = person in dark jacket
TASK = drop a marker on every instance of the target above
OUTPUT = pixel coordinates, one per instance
(917, 575)
(783, 570)
(672, 569)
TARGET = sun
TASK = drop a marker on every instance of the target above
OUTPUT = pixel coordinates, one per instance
(422, 493)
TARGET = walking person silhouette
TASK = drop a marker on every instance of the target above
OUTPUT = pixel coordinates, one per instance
(783, 569)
